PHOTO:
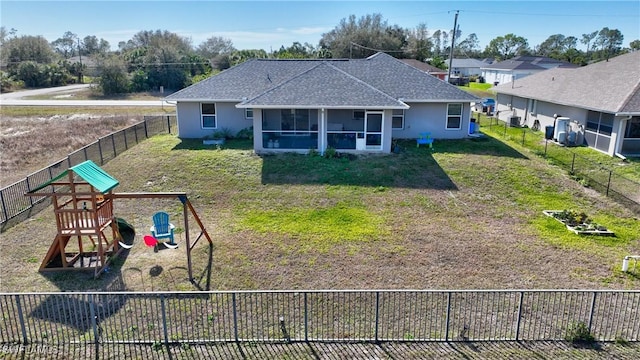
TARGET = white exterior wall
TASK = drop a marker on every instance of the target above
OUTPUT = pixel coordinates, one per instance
(505, 76)
(465, 71)
(227, 116)
(432, 117)
(545, 112)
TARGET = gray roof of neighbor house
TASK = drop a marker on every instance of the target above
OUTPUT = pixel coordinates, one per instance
(610, 86)
(513, 65)
(529, 63)
(466, 63)
(423, 66)
(377, 80)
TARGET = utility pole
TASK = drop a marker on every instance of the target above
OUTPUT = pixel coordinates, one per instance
(80, 55)
(453, 41)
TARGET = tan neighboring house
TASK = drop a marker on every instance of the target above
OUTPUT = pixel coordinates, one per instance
(601, 102)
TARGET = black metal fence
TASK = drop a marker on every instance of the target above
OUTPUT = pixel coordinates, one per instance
(12, 200)
(294, 316)
(587, 171)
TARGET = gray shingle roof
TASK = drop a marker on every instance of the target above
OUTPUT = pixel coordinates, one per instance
(466, 63)
(423, 66)
(529, 63)
(609, 86)
(514, 65)
(380, 72)
(323, 85)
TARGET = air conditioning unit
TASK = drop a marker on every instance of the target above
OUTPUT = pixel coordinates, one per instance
(514, 121)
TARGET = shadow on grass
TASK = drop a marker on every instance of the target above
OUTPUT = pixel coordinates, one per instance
(408, 169)
(196, 144)
(109, 280)
(483, 145)
(411, 167)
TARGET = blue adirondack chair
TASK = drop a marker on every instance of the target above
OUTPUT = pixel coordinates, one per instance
(162, 228)
(425, 139)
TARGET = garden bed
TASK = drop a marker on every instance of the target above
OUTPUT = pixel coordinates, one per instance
(579, 223)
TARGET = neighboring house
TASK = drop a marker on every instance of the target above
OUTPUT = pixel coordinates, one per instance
(349, 105)
(466, 67)
(429, 69)
(519, 67)
(602, 101)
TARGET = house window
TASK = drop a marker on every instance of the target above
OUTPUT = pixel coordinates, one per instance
(208, 115)
(532, 104)
(454, 116)
(290, 128)
(358, 114)
(598, 130)
(397, 119)
(633, 129)
(248, 114)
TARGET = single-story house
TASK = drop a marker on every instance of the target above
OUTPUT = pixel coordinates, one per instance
(601, 101)
(509, 70)
(429, 69)
(466, 67)
(351, 105)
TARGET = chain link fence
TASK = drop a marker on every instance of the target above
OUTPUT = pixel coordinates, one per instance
(586, 171)
(15, 207)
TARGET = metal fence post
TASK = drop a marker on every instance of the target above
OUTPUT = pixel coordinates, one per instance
(169, 124)
(505, 130)
(524, 132)
(377, 315)
(235, 316)
(84, 151)
(4, 207)
(446, 330)
(165, 331)
(124, 134)
(306, 319)
(519, 316)
(573, 162)
(146, 131)
(546, 142)
(100, 151)
(94, 325)
(29, 189)
(593, 305)
(113, 143)
(609, 182)
(23, 328)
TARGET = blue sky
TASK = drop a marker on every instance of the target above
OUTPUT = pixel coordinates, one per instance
(270, 24)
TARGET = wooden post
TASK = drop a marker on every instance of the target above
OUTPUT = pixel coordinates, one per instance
(186, 236)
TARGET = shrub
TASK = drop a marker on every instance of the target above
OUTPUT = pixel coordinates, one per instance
(313, 152)
(224, 133)
(579, 333)
(330, 153)
(246, 133)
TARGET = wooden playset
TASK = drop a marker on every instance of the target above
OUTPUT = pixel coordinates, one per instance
(83, 199)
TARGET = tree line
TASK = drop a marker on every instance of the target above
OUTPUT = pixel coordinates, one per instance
(159, 58)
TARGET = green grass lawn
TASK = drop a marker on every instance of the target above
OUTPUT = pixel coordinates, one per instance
(479, 89)
(467, 215)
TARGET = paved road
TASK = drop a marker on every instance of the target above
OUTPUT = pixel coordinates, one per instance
(17, 98)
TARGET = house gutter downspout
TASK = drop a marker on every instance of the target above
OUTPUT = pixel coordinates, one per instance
(322, 136)
(620, 137)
